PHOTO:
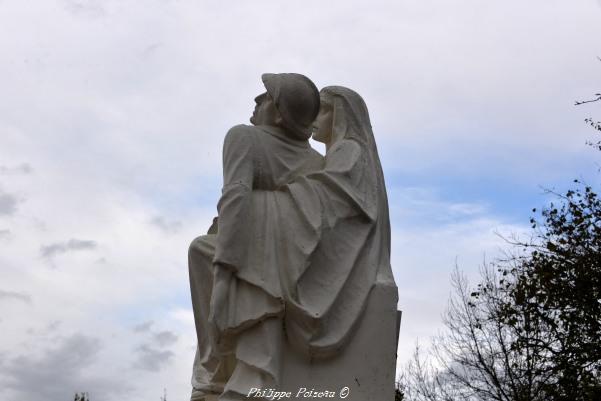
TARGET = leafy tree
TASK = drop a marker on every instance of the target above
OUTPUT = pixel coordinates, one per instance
(399, 391)
(531, 330)
(595, 124)
(81, 397)
(558, 283)
(474, 359)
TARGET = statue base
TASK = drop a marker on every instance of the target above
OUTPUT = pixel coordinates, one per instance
(364, 371)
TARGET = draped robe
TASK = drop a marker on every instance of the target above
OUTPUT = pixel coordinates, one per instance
(314, 248)
(254, 159)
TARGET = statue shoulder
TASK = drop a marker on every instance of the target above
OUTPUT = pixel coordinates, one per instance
(239, 135)
(241, 129)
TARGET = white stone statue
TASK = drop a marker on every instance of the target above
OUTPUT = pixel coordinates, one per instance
(300, 244)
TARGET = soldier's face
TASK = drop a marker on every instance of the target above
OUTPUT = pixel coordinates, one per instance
(265, 111)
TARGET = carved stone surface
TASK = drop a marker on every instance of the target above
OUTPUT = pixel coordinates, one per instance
(366, 366)
(292, 287)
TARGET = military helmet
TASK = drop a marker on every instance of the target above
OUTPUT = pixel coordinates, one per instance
(297, 101)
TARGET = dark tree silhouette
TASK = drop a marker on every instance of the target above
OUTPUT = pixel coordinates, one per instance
(558, 284)
(81, 397)
(475, 358)
(531, 330)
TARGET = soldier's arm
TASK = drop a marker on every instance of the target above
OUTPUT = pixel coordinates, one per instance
(234, 205)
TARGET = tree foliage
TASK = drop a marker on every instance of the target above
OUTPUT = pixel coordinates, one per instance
(558, 284)
(476, 357)
(81, 397)
(531, 330)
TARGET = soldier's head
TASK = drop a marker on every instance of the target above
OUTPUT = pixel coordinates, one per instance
(291, 102)
(265, 111)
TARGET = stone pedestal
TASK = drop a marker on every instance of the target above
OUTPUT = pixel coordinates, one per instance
(366, 366)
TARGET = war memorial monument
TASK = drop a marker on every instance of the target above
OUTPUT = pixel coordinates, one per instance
(292, 288)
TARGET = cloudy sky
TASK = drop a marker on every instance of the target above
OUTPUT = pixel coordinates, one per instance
(112, 117)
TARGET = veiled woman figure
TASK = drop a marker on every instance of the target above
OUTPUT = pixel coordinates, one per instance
(320, 244)
(326, 299)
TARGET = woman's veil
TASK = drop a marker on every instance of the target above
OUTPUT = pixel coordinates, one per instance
(351, 121)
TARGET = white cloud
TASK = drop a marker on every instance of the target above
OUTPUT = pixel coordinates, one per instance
(426, 247)
(143, 327)
(165, 225)
(49, 251)
(85, 8)
(8, 203)
(55, 372)
(165, 338)
(15, 295)
(152, 359)
(23, 168)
